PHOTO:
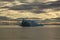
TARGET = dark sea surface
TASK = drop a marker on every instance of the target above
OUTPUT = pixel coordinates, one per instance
(48, 32)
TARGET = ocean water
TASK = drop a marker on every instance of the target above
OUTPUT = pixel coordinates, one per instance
(47, 32)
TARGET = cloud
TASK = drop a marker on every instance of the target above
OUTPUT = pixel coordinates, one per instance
(40, 6)
(7, 0)
(51, 0)
(54, 5)
(4, 18)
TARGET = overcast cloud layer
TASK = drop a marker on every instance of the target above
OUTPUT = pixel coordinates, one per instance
(30, 0)
(35, 6)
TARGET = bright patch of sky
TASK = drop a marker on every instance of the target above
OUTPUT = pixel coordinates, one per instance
(51, 0)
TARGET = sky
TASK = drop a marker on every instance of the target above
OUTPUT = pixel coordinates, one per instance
(53, 9)
(31, 0)
(51, 0)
